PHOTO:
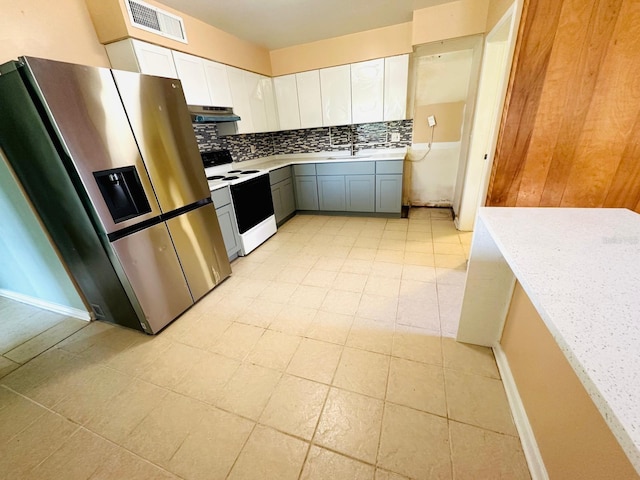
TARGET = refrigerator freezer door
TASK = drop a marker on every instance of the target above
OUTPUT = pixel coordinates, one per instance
(198, 241)
(162, 126)
(85, 108)
(151, 265)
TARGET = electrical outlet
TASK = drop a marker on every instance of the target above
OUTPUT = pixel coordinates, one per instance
(431, 119)
(253, 148)
(395, 136)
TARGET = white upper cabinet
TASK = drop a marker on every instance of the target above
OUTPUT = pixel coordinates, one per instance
(286, 90)
(254, 88)
(367, 91)
(136, 56)
(335, 86)
(396, 76)
(194, 81)
(309, 99)
(270, 105)
(241, 104)
(218, 82)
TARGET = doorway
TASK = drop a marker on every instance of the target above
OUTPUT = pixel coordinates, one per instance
(496, 64)
(445, 79)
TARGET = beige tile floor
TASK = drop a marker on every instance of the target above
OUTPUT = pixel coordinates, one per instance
(327, 355)
(26, 332)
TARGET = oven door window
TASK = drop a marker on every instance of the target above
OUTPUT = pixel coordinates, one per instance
(252, 202)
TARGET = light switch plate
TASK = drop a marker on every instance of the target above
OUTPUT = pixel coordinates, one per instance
(395, 136)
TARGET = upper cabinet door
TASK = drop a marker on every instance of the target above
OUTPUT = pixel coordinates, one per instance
(367, 91)
(253, 84)
(241, 105)
(218, 82)
(396, 76)
(194, 82)
(309, 99)
(154, 60)
(335, 86)
(287, 99)
(270, 106)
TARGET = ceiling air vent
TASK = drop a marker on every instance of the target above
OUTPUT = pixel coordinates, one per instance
(152, 19)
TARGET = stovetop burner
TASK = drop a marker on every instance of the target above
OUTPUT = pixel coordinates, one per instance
(234, 171)
(245, 172)
(215, 177)
(232, 177)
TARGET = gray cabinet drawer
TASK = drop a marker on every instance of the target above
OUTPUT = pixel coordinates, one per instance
(389, 166)
(346, 168)
(305, 169)
(221, 197)
(279, 175)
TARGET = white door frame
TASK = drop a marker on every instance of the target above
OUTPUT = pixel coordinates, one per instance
(483, 141)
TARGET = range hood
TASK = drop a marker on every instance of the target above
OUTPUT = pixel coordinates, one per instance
(204, 114)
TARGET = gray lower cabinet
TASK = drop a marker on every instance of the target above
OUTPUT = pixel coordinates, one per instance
(306, 187)
(361, 192)
(306, 193)
(346, 186)
(284, 201)
(332, 193)
(389, 193)
(367, 187)
(227, 220)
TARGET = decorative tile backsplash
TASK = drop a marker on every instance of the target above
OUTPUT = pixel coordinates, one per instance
(308, 140)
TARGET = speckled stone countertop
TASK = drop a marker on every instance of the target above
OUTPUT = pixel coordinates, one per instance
(581, 270)
(279, 161)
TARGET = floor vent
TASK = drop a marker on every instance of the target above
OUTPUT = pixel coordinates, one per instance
(152, 19)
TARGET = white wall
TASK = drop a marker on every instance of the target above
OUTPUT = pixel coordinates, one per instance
(29, 266)
(442, 74)
(432, 178)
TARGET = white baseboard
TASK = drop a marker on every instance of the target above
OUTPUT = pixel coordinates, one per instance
(529, 445)
(52, 307)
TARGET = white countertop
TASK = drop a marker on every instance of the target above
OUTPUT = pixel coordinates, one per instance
(581, 270)
(278, 161)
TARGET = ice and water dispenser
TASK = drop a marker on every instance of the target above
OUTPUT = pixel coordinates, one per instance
(123, 193)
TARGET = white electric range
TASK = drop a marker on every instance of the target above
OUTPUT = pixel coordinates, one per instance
(250, 196)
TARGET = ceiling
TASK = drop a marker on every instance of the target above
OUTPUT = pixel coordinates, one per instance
(281, 23)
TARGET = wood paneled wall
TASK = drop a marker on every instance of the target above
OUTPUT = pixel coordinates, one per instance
(570, 130)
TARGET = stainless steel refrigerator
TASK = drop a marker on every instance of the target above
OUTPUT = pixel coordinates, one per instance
(111, 166)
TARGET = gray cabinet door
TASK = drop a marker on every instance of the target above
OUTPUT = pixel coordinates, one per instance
(360, 193)
(276, 197)
(227, 223)
(306, 193)
(332, 193)
(284, 201)
(288, 197)
(389, 193)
